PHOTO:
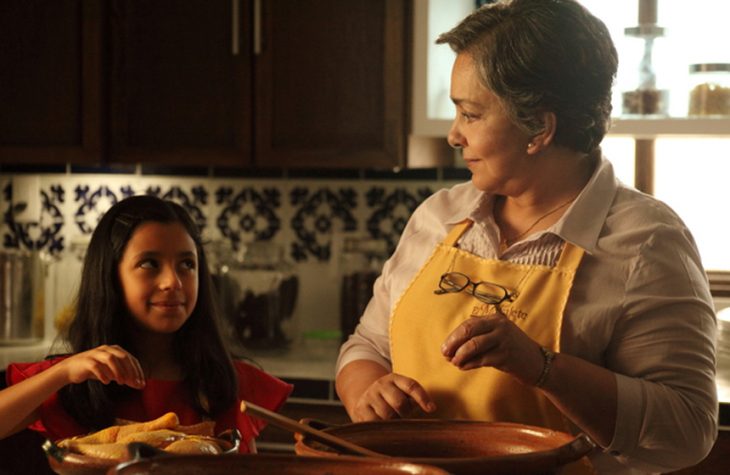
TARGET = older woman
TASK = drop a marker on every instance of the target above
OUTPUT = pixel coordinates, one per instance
(544, 291)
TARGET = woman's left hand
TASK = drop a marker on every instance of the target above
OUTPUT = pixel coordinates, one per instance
(494, 341)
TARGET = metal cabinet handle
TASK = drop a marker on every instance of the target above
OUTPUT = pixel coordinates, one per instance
(257, 27)
(235, 19)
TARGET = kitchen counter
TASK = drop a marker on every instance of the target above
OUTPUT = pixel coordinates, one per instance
(301, 364)
(302, 361)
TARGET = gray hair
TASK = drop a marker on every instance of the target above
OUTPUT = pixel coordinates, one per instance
(543, 56)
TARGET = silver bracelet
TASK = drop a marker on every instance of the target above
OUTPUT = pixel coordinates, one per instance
(547, 364)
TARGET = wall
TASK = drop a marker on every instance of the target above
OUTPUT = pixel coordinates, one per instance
(302, 211)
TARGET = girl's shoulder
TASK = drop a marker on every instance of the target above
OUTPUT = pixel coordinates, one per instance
(17, 372)
(258, 386)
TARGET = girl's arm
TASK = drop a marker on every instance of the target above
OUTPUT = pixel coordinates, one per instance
(19, 403)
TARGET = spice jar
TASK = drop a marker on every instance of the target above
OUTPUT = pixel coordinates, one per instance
(709, 89)
(361, 261)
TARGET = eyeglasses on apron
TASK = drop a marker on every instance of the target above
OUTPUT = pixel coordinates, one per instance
(487, 292)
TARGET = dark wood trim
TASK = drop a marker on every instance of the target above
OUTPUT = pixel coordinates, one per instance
(719, 283)
(644, 165)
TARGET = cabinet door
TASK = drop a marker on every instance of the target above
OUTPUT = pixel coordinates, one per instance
(50, 90)
(330, 83)
(180, 82)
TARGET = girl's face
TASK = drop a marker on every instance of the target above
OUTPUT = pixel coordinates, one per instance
(495, 150)
(159, 276)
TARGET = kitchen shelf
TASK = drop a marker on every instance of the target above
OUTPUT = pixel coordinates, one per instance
(636, 128)
(667, 127)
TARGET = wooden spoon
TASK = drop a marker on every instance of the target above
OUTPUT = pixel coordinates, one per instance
(318, 435)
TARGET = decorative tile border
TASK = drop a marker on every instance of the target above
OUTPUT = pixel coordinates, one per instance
(299, 213)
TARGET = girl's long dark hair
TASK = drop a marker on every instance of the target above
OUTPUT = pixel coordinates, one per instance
(102, 319)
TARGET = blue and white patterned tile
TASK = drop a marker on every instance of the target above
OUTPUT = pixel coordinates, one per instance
(93, 195)
(319, 210)
(246, 210)
(44, 232)
(390, 205)
(91, 198)
(192, 193)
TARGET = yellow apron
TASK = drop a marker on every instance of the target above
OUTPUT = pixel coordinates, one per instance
(422, 320)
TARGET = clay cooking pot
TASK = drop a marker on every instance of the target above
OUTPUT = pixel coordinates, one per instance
(279, 464)
(459, 447)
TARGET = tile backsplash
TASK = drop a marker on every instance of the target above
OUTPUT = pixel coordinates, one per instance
(303, 212)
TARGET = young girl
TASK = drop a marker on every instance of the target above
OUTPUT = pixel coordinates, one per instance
(144, 338)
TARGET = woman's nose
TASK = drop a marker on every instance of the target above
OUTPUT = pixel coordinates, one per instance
(455, 139)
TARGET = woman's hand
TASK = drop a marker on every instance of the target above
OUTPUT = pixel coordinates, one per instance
(104, 363)
(494, 341)
(392, 396)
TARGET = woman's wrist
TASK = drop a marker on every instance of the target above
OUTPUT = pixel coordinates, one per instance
(548, 357)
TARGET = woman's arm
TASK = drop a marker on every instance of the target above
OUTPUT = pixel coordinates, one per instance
(584, 392)
(371, 392)
(593, 407)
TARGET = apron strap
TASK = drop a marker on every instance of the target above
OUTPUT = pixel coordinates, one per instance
(456, 232)
(570, 257)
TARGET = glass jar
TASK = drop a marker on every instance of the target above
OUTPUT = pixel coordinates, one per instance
(361, 262)
(709, 89)
(257, 291)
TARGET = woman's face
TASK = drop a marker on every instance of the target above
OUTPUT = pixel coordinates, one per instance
(495, 150)
(159, 276)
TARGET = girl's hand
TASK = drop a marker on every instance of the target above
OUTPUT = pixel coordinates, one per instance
(494, 341)
(392, 396)
(105, 363)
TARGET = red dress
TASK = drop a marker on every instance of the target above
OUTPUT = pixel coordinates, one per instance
(159, 397)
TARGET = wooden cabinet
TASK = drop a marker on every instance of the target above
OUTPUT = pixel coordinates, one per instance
(330, 83)
(51, 81)
(180, 81)
(285, 83)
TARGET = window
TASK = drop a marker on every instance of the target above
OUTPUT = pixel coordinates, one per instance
(690, 174)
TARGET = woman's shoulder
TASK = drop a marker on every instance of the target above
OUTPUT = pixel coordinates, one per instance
(651, 232)
(446, 207)
(455, 200)
(632, 202)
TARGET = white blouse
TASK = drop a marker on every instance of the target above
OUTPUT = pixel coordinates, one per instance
(640, 306)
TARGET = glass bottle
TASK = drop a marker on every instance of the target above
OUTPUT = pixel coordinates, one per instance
(648, 98)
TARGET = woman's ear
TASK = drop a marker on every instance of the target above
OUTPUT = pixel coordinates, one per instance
(543, 139)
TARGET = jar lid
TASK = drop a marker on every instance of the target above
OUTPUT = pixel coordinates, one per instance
(709, 67)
